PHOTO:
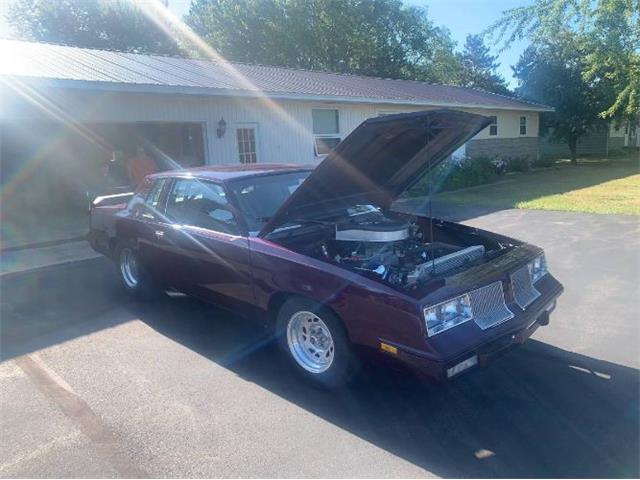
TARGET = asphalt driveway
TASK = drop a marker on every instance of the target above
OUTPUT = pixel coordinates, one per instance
(92, 384)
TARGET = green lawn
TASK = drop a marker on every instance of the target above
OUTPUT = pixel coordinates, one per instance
(596, 186)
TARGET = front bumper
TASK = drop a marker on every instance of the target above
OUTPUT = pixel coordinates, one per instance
(481, 354)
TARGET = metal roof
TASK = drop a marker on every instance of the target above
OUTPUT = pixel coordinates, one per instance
(75, 67)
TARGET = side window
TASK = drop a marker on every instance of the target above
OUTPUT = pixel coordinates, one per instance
(153, 197)
(201, 204)
(493, 126)
(326, 130)
(523, 125)
(145, 202)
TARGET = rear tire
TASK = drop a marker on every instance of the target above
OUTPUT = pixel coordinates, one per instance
(134, 277)
(315, 342)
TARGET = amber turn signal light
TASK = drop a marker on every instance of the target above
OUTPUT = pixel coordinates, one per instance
(388, 348)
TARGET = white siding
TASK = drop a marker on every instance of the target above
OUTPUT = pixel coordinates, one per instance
(284, 127)
(509, 123)
(616, 131)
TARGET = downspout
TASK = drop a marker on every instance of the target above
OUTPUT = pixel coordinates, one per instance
(204, 127)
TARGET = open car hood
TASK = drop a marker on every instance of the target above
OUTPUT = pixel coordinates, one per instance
(377, 162)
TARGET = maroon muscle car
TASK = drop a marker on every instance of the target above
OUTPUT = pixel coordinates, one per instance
(323, 258)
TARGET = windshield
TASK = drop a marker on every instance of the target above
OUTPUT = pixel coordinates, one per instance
(348, 210)
(260, 197)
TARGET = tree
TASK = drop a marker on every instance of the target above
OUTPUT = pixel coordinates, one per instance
(106, 24)
(552, 75)
(375, 37)
(479, 67)
(607, 31)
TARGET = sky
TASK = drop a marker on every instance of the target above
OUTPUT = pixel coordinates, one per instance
(464, 17)
(461, 17)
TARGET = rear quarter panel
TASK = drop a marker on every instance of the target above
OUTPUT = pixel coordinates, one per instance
(102, 231)
(113, 222)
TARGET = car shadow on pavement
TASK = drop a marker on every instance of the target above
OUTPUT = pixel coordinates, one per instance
(539, 412)
(53, 304)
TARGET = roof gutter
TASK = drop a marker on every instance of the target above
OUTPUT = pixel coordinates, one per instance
(229, 92)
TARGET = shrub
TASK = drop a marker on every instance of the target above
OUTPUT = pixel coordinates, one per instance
(616, 152)
(544, 161)
(430, 182)
(471, 172)
(517, 164)
(450, 175)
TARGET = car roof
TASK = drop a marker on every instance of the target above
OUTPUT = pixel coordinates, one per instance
(226, 172)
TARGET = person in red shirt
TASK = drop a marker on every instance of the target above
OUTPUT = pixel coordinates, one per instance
(140, 166)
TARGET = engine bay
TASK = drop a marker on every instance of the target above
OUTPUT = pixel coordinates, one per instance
(398, 249)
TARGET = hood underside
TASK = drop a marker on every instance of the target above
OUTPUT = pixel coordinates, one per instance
(378, 161)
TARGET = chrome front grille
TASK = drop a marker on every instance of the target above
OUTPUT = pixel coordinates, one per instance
(524, 292)
(489, 307)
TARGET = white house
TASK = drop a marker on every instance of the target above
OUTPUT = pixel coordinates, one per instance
(290, 115)
(65, 110)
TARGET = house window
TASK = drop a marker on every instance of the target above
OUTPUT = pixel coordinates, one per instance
(326, 130)
(247, 149)
(493, 126)
(523, 125)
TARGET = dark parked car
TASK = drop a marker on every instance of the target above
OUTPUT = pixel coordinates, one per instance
(321, 255)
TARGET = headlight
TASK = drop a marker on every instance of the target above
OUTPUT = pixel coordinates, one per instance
(447, 314)
(538, 268)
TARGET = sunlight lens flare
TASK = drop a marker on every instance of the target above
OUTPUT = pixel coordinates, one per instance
(173, 27)
(53, 111)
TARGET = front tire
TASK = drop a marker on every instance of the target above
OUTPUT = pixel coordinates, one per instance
(315, 342)
(134, 278)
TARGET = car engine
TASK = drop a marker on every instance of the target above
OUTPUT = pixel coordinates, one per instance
(393, 248)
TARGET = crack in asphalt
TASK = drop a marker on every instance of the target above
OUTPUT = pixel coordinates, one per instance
(78, 411)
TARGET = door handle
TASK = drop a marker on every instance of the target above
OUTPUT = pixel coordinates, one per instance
(148, 216)
(159, 233)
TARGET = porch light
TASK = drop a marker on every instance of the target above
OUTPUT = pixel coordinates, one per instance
(222, 127)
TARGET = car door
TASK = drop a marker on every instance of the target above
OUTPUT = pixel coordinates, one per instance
(209, 255)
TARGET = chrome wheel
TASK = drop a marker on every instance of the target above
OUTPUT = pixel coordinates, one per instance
(129, 267)
(310, 342)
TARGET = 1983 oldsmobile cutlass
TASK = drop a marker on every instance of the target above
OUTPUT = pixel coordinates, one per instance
(321, 255)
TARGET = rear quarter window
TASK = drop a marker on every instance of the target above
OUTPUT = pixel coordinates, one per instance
(148, 194)
(152, 198)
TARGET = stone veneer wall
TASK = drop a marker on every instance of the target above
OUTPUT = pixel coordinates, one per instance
(616, 143)
(504, 147)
